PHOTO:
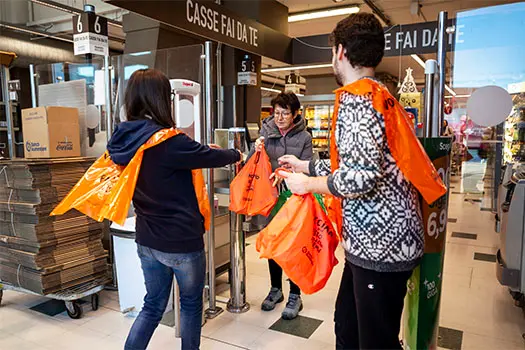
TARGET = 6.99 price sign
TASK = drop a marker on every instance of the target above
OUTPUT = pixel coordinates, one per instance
(421, 314)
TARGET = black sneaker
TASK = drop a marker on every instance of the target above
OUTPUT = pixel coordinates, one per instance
(274, 297)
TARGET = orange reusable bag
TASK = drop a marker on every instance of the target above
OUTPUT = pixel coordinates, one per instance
(409, 154)
(302, 240)
(251, 191)
(106, 189)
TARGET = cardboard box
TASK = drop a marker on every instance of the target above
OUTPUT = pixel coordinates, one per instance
(51, 132)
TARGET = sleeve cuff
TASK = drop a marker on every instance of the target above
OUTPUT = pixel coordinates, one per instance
(311, 168)
(331, 186)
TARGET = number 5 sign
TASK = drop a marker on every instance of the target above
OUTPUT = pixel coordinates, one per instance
(90, 34)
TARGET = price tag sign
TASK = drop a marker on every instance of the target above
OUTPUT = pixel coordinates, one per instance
(292, 83)
(424, 286)
(247, 74)
(90, 34)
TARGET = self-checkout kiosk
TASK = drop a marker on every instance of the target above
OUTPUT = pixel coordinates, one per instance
(511, 213)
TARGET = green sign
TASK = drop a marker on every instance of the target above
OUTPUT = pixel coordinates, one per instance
(421, 320)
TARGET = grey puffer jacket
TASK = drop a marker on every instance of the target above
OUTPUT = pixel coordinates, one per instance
(297, 141)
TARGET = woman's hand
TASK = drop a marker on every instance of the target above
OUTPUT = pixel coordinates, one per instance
(214, 146)
(259, 143)
(294, 164)
(277, 177)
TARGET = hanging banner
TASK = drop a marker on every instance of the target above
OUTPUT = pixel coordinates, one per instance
(90, 34)
(421, 316)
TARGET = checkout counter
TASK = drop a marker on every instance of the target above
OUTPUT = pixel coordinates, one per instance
(511, 214)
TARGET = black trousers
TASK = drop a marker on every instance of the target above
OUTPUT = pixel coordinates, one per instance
(276, 277)
(368, 309)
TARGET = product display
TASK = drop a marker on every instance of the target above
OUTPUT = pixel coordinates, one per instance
(318, 118)
(41, 253)
(514, 151)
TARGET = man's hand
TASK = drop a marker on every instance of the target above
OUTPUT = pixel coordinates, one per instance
(214, 146)
(294, 164)
(259, 143)
(296, 182)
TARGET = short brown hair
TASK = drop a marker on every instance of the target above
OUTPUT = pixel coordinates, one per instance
(363, 39)
(287, 100)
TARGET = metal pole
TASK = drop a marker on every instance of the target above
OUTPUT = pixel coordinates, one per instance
(33, 87)
(213, 311)
(431, 68)
(237, 303)
(441, 60)
(220, 92)
(8, 112)
(107, 83)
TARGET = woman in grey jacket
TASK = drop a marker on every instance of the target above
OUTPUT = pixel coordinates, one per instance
(281, 134)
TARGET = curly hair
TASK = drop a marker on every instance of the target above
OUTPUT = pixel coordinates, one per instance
(287, 100)
(363, 39)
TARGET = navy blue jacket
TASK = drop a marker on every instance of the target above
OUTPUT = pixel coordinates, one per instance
(168, 216)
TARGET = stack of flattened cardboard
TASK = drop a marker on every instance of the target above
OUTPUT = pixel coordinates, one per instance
(39, 252)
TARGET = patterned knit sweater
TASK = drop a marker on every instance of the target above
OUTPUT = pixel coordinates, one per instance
(382, 223)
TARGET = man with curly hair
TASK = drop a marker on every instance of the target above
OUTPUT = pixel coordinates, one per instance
(379, 212)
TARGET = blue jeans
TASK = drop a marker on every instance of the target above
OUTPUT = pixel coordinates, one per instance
(158, 268)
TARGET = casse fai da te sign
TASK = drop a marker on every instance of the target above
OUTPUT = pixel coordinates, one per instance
(209, 20)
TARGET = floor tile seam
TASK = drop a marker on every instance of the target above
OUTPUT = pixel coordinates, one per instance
(209, 337)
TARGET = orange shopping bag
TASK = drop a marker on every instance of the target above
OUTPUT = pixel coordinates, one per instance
(106, 189)
(251, 191)
(302, 240)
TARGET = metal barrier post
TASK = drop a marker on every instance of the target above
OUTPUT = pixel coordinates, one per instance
(429, 126)
(109, 114)
(4, 77)
(33, 85)
(213, 310)
(442, 61)
(237, 303)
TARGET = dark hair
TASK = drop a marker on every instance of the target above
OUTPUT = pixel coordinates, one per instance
(363, 39)
(287, 100)
(148, 96)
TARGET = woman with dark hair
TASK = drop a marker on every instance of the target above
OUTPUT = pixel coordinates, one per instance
(169, 225)
(284, 133)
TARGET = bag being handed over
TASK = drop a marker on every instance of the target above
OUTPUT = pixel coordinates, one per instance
(302, 240)
(251, 191)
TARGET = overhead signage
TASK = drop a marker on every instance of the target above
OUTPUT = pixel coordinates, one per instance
(214, 22)
(400, 40)
(247, 74)
(292, 83)
(418, 38)
(90, 34)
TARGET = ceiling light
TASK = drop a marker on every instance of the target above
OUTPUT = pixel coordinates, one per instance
(422, 64)
(289, 68)
(418, 60)
(458, 96)
(270, 90)
(340, 11)
(29, 31)
(452, 92)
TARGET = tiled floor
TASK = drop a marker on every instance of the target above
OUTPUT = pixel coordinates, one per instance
(476, 312)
